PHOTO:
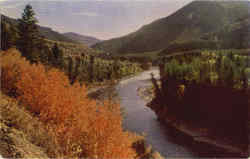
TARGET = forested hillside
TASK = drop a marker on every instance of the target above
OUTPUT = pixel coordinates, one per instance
(45, 111)
(200, 24)
(79, 62)
(10, 35)
(204, 92)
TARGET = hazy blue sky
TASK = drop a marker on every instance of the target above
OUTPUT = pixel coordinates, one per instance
(103, 19)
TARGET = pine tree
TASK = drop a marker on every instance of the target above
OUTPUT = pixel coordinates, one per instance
(8, 34)
(5, 36)
(57, 56)
(91, 73)
(116, 68)
(77, 70)
(70, 68)
(30, 41)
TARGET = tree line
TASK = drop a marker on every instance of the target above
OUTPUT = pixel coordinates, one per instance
(208, 89)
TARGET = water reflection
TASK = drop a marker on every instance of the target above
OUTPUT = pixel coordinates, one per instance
(140, 119)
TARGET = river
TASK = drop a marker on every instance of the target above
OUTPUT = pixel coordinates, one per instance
(141, 119)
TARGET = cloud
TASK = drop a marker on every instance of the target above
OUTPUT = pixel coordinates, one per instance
(91, 0)
(89, 14)
(10, 6)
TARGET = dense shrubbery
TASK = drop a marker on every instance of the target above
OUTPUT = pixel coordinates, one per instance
(83, 127)
(209, 88)
(216, 67)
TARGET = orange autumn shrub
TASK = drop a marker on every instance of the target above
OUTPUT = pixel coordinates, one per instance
(103, 137)
(105, 133)
(83, 127)
(49, 94)
(10, 63)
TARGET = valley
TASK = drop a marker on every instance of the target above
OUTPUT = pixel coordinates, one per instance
(94, 79)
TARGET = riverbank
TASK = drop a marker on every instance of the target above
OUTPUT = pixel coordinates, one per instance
(48, 108)
(142, 120)
(221, 147)
(109, 92)
(202, 136)
(171, 141)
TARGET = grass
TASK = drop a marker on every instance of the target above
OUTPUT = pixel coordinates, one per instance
(14, 144)
(25, 135)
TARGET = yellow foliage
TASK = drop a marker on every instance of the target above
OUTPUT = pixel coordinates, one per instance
(181, 90)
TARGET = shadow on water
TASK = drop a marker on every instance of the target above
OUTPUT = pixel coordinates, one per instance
(198, 148)
(164, 139)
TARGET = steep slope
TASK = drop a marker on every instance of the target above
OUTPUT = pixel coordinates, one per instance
(87, 40)
(233, 36)
(21, 134)
(236, 35)
(190, 23)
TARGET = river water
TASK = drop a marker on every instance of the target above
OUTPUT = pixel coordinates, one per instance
(141, 119)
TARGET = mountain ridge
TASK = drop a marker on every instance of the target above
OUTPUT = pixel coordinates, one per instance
(51, 34)
(51, 37)
(189, 23)
(87, 40)
(47, 32)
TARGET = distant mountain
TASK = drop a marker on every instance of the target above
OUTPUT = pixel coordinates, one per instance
(104, 19)
(200, 22)
(48, 33)
(68, 45)
(87, 40)
(53, 35)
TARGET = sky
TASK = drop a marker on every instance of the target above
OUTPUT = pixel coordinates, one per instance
(94, 0)
(103, 19)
